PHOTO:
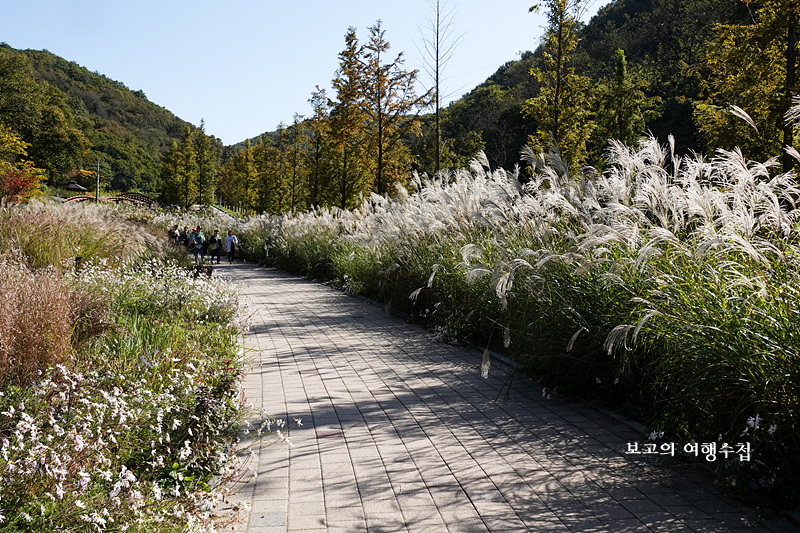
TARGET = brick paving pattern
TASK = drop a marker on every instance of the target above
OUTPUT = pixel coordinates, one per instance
(402, 434)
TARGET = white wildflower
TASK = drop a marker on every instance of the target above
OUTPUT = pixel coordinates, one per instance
(84, 480)
(157, 492)
(754, 422)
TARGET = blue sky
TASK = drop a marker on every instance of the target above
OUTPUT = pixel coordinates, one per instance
(244, 66)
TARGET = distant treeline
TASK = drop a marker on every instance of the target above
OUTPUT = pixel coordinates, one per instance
(667, 67)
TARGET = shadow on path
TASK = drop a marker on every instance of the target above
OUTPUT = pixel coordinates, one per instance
(402, 434)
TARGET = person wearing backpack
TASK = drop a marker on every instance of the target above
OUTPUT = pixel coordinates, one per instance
(174, 235)
(183, 240)
(215, 245)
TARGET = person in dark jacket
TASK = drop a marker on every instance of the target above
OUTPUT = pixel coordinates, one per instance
(215, 246)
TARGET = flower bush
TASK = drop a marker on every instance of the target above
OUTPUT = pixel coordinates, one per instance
(120, 401)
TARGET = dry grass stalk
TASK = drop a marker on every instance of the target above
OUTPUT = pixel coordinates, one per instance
(35, 324)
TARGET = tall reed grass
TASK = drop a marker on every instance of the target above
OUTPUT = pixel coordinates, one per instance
(669, 281)
(52, 234)
(42, 319)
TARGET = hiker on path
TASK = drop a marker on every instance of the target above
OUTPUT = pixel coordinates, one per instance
(231, 245)
(190, 239)
(215, 245)
(174, 235)
(184, 238)
(198, 240)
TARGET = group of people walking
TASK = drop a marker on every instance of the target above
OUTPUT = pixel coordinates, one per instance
(196, 243)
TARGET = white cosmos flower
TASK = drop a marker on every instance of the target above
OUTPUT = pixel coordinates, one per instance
(754, 422)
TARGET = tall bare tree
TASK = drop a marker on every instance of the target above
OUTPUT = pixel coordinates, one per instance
(439, 44)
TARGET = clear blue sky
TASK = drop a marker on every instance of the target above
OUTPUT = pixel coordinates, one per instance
(244, 66)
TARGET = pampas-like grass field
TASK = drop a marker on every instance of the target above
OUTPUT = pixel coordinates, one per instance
(667, 284)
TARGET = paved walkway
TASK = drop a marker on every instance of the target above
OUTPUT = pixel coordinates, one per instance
(402, 434)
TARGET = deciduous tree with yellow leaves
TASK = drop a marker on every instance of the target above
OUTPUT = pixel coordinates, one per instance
(752, 66)
(19, 179)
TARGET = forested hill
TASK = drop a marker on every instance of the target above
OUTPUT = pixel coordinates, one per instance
(669, 67)
(73, 117)
(665, 43)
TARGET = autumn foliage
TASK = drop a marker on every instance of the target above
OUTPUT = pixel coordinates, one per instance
(19, 180)
(19, 183)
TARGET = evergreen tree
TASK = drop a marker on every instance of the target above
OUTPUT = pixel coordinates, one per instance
(240, 179)
(349, 181)
(170, 183)
(229, 187)
(298, 138)
(207, 163)
(390, 103)
(187, 170)
(180, 171)
(265, 162)
(246, 180)
(562, 107)
(622, 106)
(315, 159)
(280, 142)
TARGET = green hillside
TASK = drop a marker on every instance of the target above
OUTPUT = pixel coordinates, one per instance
(74, 118)
(639, 67)
(665, 42)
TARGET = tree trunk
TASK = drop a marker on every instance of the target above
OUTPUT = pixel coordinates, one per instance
(791, 75)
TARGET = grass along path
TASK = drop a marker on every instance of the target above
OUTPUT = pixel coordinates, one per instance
(402, 434)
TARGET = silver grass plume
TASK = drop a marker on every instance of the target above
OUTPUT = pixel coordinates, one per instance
(486, 364)
(793, 114)
(742, 114)
(575, 336)
(792, 151)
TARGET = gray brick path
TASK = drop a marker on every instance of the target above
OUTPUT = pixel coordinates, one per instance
(401, 434)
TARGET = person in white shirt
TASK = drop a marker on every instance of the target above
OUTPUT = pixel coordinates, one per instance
(231, 244)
